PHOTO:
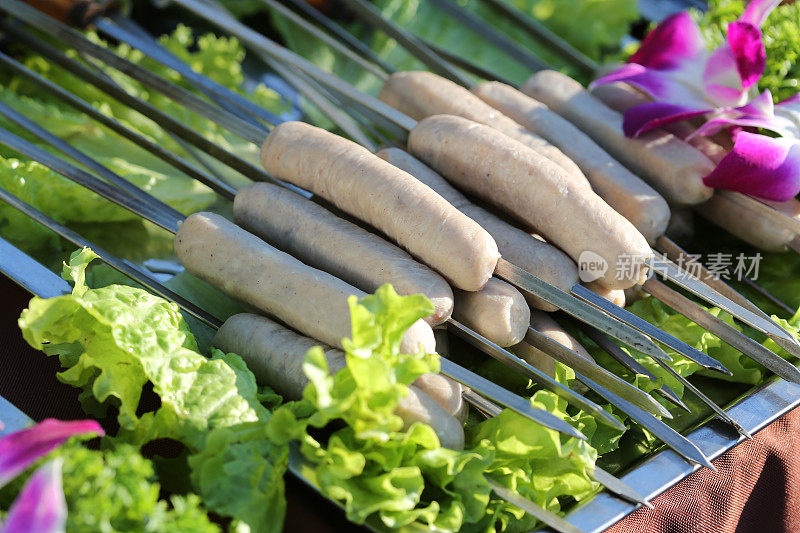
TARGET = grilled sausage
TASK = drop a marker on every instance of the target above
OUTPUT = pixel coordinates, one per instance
(671, 166)
(498, 312)
(246, 268)
(750, 226)
(621, 189)
(276, 354)
(323, 240)
(531, 254)
(385, 197)
(421, 94)
(500, 170)
(615, 296)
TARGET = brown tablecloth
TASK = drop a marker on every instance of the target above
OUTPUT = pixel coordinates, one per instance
(756, 488)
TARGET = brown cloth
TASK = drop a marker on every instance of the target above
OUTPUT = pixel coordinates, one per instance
(756, 489)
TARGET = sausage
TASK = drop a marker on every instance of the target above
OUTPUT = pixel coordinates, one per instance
(620, 188)
(621, 96)
(385, 197)
(671, 166)
(420, 94)
(750, 226)
(276, 354)
(615, 296)
(246, 268)
(531, 254)
(498, 311)
(500, 170)
(323, 240)
(543, 323)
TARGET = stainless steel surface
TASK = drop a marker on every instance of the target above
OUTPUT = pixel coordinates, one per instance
(727, 333)
(11, 418)
(28, 273)
(551, 519)
(75, 39)
(626, 360)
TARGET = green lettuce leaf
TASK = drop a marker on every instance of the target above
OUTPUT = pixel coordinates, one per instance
(378, 470)
(115, 340)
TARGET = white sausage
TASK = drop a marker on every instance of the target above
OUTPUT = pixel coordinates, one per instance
(671, 166)
(500, 170)
(621, 189)
(515, 245)
(246, 268)
(323, 240)
(420, 94)
(498, 311)
(276, 354)
(372, 190)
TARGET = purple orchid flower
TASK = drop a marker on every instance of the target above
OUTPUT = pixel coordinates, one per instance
(687, 82)
(40, 506)
(21, 449)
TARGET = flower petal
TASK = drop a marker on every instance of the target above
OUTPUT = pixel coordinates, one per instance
(675, 40)
(40, 506)
(758, 113)
(21, 449)
(748, 49)
(760, 166)
(757, 11)
(663, 86)
(645, 117)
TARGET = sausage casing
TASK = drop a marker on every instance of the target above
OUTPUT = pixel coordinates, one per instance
(246, 268)
(671, 166)
(323, 240)
(385, 197)
(506, 173)
(515, 245)
(628, 194)
(276, 354)
(420, 94)
(498, 311)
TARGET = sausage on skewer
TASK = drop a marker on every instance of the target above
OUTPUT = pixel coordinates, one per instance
(275, 354)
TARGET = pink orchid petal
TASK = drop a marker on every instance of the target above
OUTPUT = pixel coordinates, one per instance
(721, 80)
(645, 117)
(675, 40)
(758, 113)
(663, 86)
(757, 11)
(21, 449)
(40, 506)
(760, 166)
(749, 51)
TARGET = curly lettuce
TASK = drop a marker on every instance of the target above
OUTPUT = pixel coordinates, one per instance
(116, 340)
(379, 470)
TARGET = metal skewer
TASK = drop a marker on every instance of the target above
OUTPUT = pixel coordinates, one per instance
(522, 279)
(623, 358)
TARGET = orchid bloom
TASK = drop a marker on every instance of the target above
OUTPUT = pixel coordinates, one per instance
(20, 450)
(40, 506)
(686, 82)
